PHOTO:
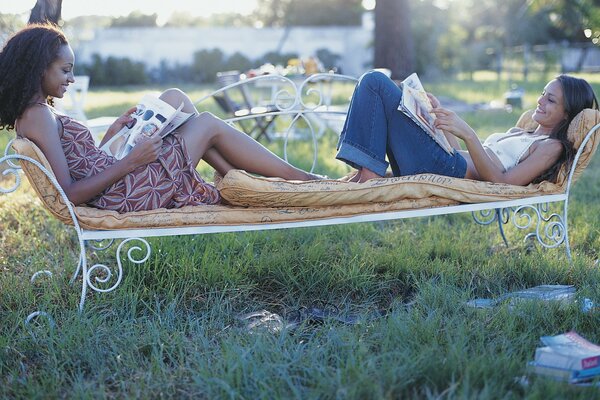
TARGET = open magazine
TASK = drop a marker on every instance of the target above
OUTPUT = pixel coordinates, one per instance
(152, 117)
(417, 106)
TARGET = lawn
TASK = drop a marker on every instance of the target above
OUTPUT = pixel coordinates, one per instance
(172, 328)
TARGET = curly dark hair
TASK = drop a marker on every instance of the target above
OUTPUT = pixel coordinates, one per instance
(23, 61)
(577, 96)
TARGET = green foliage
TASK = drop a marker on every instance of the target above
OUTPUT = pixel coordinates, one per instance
(135, 19)
(9, 23)
(472, 34)
(275, 58)
(238, 62)
(308, 12)
(206, 64)
(178, 73)
(114, 71)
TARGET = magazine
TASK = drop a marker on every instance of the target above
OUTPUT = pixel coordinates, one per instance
(152, 117)
(417, 106)
(541, 292)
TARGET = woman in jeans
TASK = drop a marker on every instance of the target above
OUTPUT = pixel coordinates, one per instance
(375, 128)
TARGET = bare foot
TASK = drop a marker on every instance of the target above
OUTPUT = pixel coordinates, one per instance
(366, 174)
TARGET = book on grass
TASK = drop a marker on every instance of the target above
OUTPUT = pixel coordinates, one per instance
(151, 117)
(417, 106)
(541, 292)
(562, 374)
(568, 350)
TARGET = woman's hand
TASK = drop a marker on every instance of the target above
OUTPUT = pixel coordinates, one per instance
(449, 121)
(119, 123)
(145, 151)
(435, 103)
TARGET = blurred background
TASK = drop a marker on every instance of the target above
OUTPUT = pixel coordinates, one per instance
(155, 42)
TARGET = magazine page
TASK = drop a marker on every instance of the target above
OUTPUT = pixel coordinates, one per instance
(117, 142)
(416, 105)
(151, 117)
(177, 120)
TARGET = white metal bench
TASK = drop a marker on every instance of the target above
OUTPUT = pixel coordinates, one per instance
(550, 229)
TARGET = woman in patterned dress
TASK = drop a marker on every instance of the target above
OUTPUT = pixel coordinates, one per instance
(36, 65)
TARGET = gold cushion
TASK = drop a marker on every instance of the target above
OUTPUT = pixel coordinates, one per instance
(94, 218)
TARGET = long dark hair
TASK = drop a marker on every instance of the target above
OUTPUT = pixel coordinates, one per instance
(577, 96)
(23, 61)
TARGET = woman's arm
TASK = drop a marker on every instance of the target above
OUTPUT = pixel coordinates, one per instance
(117, 125)
(542, 156)
(41, 126)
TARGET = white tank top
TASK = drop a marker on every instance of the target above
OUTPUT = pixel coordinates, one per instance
(510, 149)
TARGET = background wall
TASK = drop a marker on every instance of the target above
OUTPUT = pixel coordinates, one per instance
(177, 45)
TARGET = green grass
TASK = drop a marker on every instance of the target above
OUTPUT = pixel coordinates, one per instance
(170, 329)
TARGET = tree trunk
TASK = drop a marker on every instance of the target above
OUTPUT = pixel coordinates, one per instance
(394, 48)
(46, 11)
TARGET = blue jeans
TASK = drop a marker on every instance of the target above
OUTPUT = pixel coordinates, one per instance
(375, 128)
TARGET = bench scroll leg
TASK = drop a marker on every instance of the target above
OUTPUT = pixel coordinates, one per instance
(566, 227)
(487, 217)
(550, 229)
(101, 274)
(14, 170)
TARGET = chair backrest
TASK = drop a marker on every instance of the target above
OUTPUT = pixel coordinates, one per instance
(227, 78)
(43, 186)
(578, 129)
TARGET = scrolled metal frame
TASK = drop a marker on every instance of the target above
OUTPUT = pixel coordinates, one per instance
(87, 274)
(291, 100)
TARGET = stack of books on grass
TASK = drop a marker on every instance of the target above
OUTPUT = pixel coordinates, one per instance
(567, 357)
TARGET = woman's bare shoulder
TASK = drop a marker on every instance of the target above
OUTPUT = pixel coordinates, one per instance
(37, 120)
(549, 147)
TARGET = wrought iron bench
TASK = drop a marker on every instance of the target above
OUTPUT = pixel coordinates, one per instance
(490, 203)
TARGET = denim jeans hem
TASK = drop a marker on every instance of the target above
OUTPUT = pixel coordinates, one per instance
(357, 158)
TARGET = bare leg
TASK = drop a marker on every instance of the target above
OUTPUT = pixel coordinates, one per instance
(224, 147)
(215, 160)
(175, 97)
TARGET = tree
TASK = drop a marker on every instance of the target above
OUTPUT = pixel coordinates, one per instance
(309, 12)
(394, 48)
(46, 11)
(135, 19)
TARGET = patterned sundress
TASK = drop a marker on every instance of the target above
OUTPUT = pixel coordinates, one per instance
(170, 182)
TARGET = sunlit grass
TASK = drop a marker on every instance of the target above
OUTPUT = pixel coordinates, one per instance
(171, 329)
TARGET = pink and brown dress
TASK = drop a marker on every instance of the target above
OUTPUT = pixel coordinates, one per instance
(170, 182)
